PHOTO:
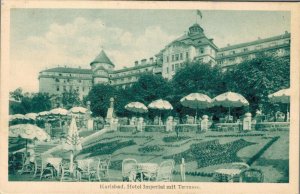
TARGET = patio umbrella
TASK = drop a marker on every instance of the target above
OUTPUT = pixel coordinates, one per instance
(230, 99)
(136, 107)
(58, 111)
(28, 131)
(160, 105)
(281, 96)
(78, 109)
(17, 116)
(72, 142)
(196, 101)
(43, 113)
(31, 116)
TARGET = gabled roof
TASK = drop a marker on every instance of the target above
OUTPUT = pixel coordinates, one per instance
(102, 58)
(69, 70)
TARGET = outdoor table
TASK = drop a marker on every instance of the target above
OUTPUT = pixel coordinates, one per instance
(146, 168)
(230, 173)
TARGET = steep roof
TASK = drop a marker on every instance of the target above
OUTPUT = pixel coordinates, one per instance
(102, 58)
(69, 70)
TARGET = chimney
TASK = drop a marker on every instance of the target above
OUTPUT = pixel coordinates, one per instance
(79, 67)
(143, 61)
(286, 32)
(228, 44)
(258, 38)
(65, 66)
(151, 60)
(136, 63)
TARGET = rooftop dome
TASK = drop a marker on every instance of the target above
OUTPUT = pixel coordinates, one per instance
(102, 58)
(195, 29)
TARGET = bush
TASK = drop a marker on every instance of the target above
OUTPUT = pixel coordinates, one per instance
(211, 153)
(151, 148)
(169, 139)
(106, 148)
(262, 151)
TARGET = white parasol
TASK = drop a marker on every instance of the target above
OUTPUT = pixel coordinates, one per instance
(136, 107)
(230, 99)
(73, 142)
(196, 101)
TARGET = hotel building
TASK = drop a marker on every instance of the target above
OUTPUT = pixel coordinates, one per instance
(192, 46)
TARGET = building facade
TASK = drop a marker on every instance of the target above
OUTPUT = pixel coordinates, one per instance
(193, 46)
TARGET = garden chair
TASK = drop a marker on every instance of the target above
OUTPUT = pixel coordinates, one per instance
(104, 167)
(27, 167)
(37, 165)
(129, 169)
(83, 168)
(19, 160)
(165, 171)
(66, 172)
(94, 170)
(252, 175)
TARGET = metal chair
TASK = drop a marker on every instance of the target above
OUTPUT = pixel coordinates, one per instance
(104, 167)
(165, 171)
(66, 172)
(129, 169)
(38, 163)
(94, 170)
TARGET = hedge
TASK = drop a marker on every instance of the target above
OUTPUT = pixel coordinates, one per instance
(262, 151)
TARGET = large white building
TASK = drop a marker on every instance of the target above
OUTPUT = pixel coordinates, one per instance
(192, 46)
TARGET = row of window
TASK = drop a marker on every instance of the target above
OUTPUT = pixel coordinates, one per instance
(72, 81)
(257, 47)
(71, 88)
(279, 53)
(177, 57)
(174, 67)
(130, 72)
(66, 74)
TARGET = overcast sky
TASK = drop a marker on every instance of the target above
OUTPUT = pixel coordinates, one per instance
(43, 38)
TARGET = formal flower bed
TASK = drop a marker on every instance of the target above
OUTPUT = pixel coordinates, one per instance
(182, 143)
(151, 148)
(236, 135)
(211, 153)
(169, 139)
(106, 148)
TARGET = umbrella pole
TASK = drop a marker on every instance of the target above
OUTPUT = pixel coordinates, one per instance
(26, 145)
(287, 112)
(71, 162)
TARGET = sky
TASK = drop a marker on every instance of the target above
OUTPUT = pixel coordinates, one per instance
(46, 38)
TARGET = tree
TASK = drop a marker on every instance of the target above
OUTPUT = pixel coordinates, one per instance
(255, 79)
(70, 99)
(150, 87)
(198, 77)
(40, 102)
(17, 94)
(99, 97)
